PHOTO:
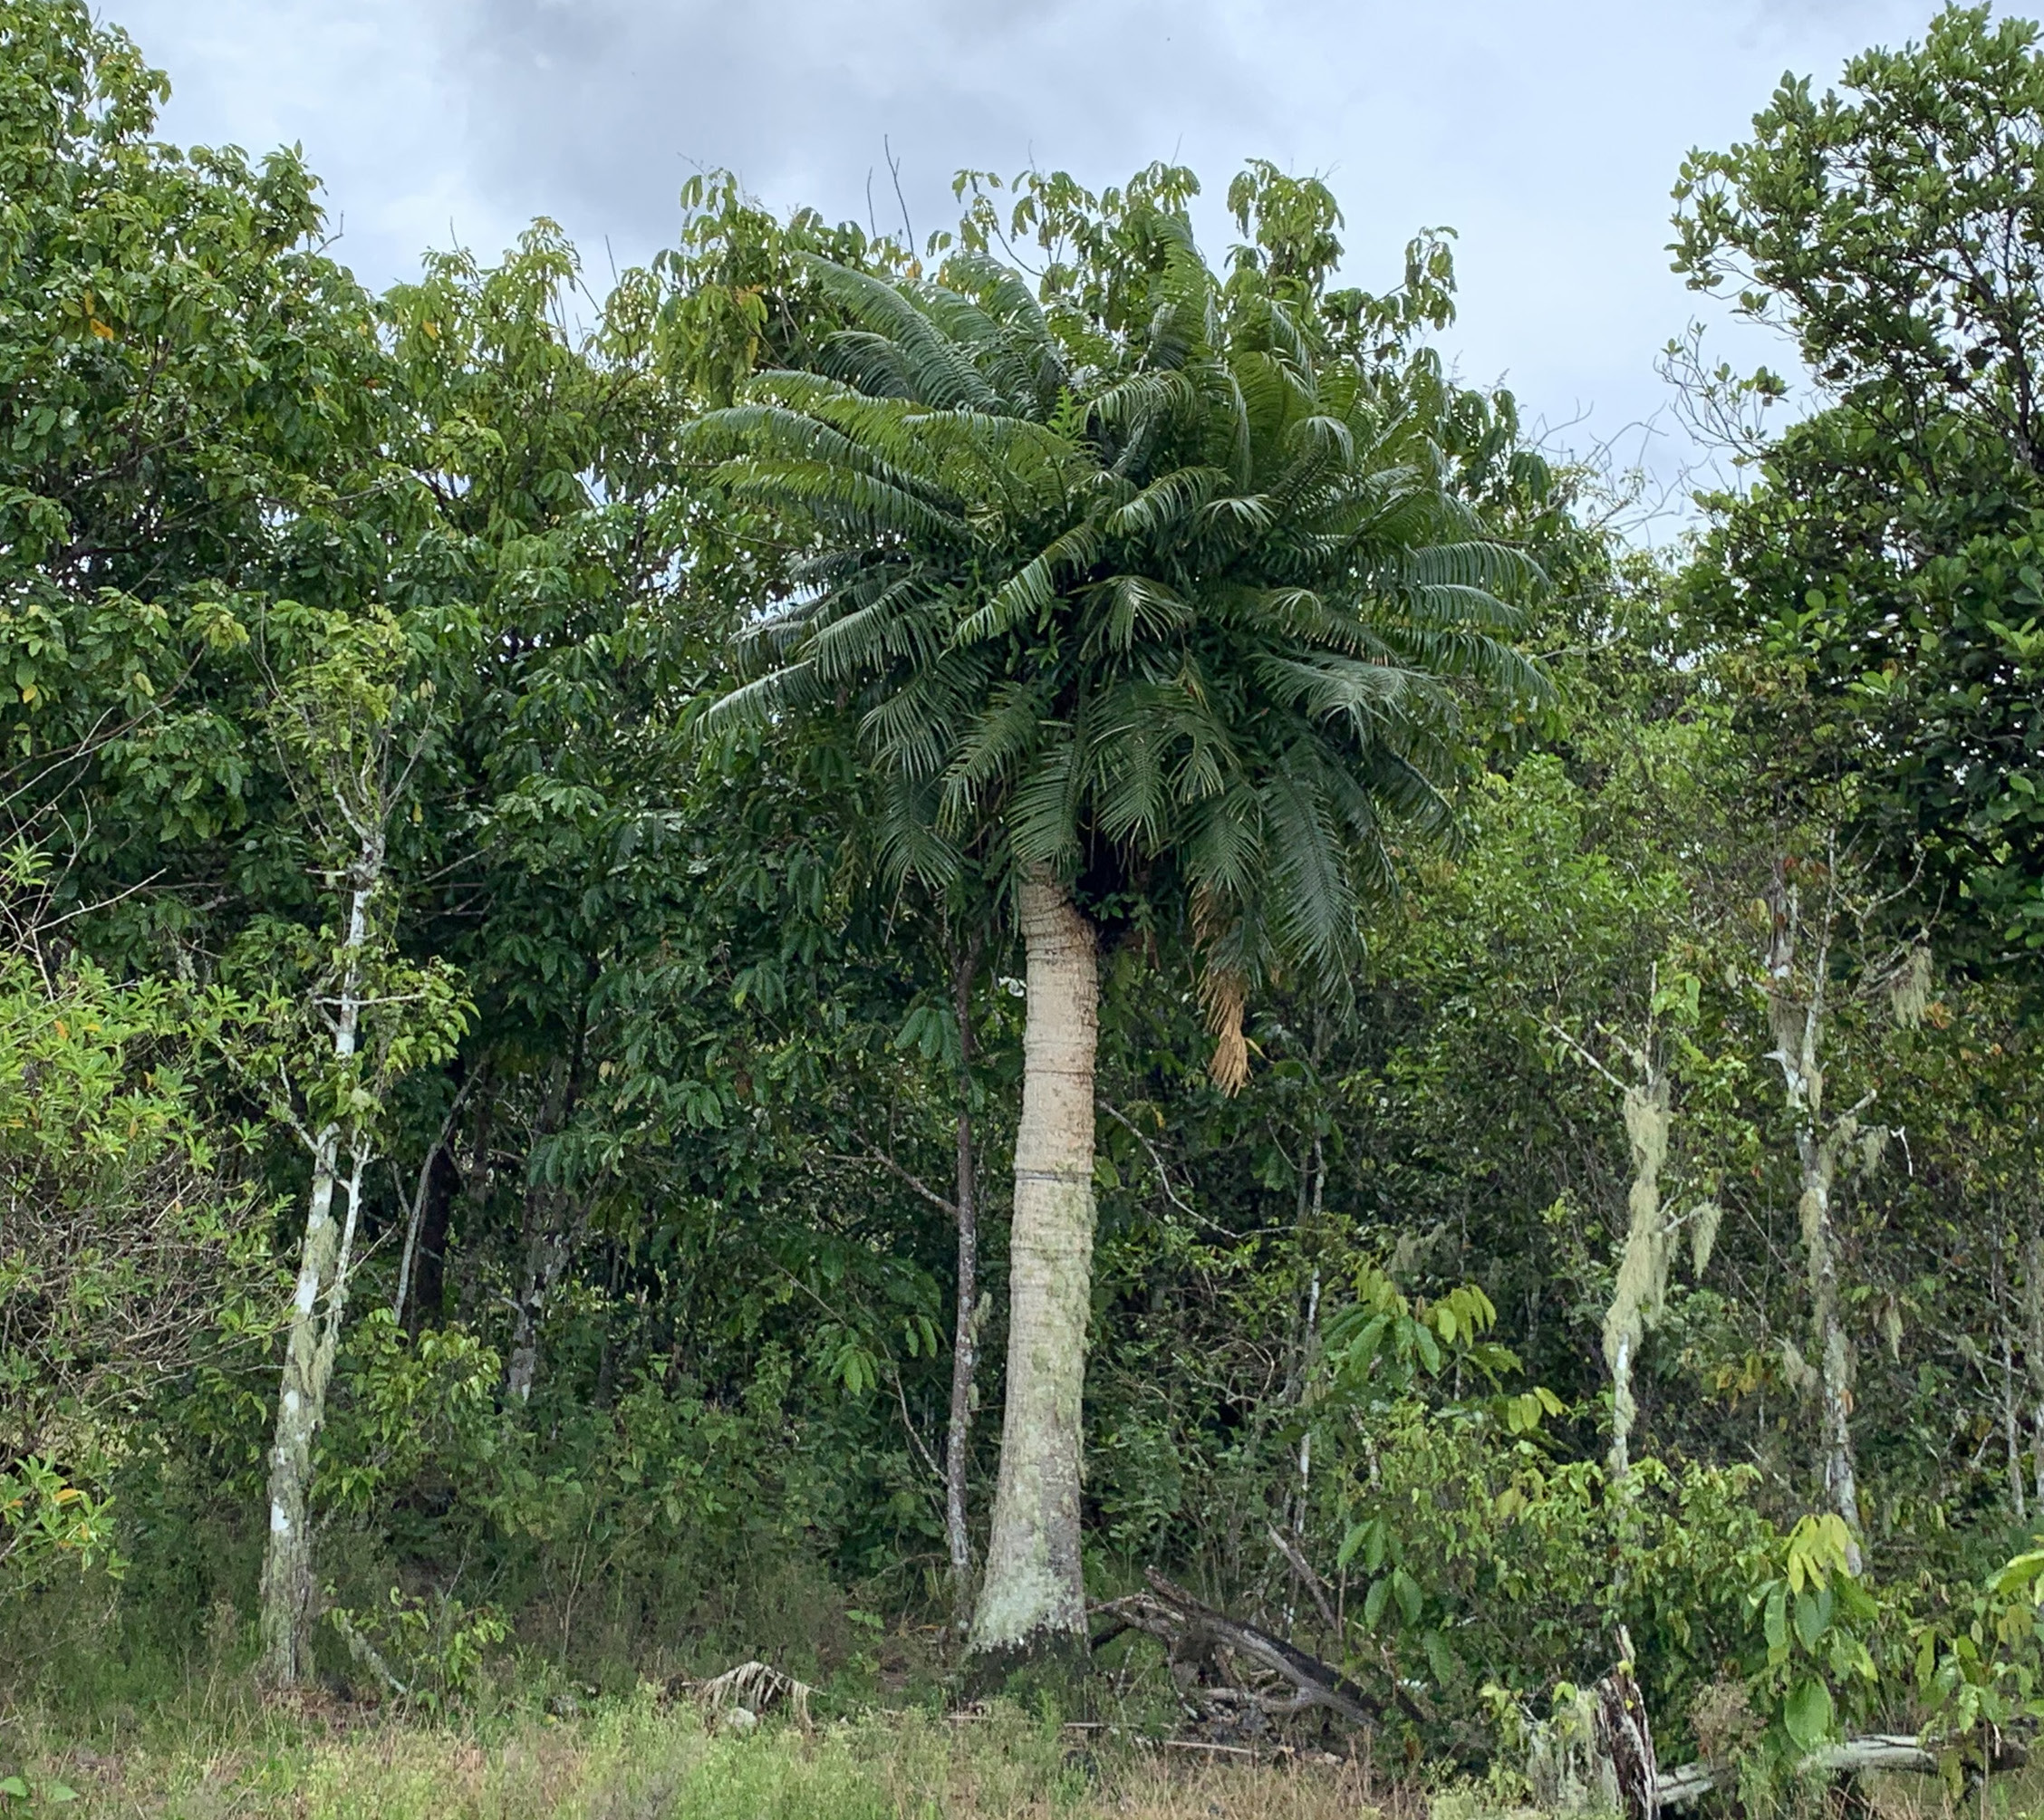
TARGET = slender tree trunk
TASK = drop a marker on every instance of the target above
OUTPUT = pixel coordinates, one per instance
(1797, 1024)
(1305, 1433)
(546, 1256)
(2012, 1430)
(2033, 1356)
(1305, 1357)
(1032, 1596)
(423, 1306)
(436, 1185)
(964, 1337)
(1819, 1159)
(288, 1581)
(432, 1197)
(546, 1248)
(467, 1189)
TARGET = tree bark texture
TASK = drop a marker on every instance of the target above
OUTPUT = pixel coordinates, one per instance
(548, 1247)
(1795, 1022)
(964, 1337)
(1032, 1592)
(288, 1581)
(1819, 1159)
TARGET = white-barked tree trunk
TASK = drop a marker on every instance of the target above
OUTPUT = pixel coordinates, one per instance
(287, 1583)
(1796, 1021)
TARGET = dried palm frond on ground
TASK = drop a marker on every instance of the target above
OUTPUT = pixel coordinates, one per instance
(754, 1688)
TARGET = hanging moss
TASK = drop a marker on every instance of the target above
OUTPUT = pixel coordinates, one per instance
(1704, 1219)
(1640, 1292)
(1909, 988)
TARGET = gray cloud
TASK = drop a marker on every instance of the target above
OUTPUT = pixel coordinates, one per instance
(1548, 134)
(608, 103)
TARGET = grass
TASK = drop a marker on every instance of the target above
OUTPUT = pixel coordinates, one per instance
(643, 1759)
(120, 1733)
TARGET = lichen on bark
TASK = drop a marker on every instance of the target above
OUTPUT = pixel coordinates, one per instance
(1033, 1591)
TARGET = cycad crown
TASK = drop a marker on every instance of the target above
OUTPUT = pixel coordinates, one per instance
(1191, 612)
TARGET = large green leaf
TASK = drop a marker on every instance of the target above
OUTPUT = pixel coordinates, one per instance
(1806, 1714)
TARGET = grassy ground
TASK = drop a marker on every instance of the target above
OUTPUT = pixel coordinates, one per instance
(132, 1740)
(645, 1759)
(642, 1760)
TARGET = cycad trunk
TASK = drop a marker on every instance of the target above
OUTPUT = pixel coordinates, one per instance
(308, 1357)
(1032, 1596)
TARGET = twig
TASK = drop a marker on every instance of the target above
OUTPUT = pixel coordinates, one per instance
(1163, 1174)
(1307, 1577)
(875, 1154)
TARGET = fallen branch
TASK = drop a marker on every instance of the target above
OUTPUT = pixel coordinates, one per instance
(1311, 1580)
(1189, 1629)
(366, 1652)
(1896, 1753)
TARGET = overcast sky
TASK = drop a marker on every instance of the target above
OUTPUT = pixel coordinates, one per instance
(1546, 133)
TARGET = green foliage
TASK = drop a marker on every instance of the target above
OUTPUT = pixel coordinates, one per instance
(128, 1241)
(1978, 1665)
(1482, 1562)
(429, 1653)
(1182, 599)
(48, 1521)
(378, 648)
(1883, 568)
(1814, 1616)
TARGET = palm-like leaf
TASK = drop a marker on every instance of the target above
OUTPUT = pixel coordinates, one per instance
(1208, 605)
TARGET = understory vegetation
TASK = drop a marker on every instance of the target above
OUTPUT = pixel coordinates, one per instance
(1019, 985)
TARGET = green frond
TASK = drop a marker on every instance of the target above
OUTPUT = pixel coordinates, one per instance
(1323, 440)
(912, 845)
(1033, 589)
(1139, 608)
(1004, 295)
(838, 498)
(1169, 592)
(1327, 687)
(1166, 503)
(1454, 603)
(1128, 774)
(1311, 897)
(1144, 399)
(1224, 844)
(1043, 815)
(933, 369)
(1000, 740)
(1474, 563)
(756, 703)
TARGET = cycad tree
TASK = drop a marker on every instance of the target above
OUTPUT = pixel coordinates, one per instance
(1170, 622)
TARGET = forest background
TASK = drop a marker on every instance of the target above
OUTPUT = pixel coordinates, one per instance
(549, 833)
